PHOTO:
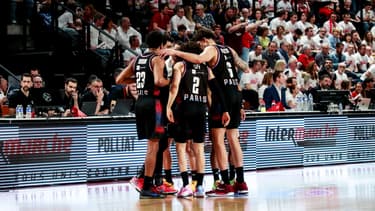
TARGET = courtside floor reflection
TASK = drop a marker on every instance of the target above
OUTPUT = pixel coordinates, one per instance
(334, 187)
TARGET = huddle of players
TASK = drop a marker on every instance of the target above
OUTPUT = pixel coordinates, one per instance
(194, 71)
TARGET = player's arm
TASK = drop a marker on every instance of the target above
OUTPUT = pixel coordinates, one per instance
(173, 89)
(127, 75)
(206, 56)
(240, 64)
(158, 67)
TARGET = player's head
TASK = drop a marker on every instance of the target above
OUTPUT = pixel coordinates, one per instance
(155, 39)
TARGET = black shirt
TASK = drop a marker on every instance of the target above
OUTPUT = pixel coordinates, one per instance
(90, 97)
(18, 98)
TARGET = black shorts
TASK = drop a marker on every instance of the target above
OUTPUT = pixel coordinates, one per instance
(190, 123)
(149, 118)
(233, 100)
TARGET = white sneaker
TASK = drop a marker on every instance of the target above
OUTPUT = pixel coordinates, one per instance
(185, 192)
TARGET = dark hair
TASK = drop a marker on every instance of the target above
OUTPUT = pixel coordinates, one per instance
(155, 39)
(204, 33)
(276, 74)
(190, 47)
(322, 77)
(25, 75)
(70, 79)
(298, 31)
(289, 80)
(181, 27)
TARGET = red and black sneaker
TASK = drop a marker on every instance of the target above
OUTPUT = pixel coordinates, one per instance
(137, 183)
(221, 190)
(241, 188)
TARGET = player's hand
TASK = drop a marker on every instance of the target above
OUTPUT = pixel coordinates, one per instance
(225, 119)
(243, 114)
(170, 115)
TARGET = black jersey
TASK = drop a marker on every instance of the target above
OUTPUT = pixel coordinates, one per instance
(224, 70)
(194, 82)
(144, 74)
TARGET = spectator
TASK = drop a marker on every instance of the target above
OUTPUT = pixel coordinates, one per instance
(161, 20)
(179, 19)
(21, 96)
(339, 75)
(338, 56)
(367, 16)
(37, 82)
(270, 55)
(69, 96)
(305, 56)
(96, 93)
(203, 19)
(135, 47)
(125, 31)
(277, 91)
(266, 82)
(189, 16)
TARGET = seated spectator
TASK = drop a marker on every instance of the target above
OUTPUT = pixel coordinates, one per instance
(135, 47)
(179, 19)
(69, 96)
(22, 96)
(325, 83)
(305, 57)
(339, 75)
(161, 20)
(203, 19)
(125, 31)
(181, 34)
(37, 82)
(266, 82)
(277, 91)
(96, 94)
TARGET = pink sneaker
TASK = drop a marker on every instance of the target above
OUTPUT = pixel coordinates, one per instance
(185, 192)
(241, 188)
(221, 191)
(137, 183)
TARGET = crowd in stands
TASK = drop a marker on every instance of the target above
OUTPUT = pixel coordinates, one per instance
(293, 47)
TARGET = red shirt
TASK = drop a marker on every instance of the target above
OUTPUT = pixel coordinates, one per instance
(161, 20)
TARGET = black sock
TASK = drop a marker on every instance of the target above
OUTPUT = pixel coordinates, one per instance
(239, 172)
(200, 177)
(216, 174)
(185, 178)
(147, 183)
(158, 179)
(168, 175)
(232, 172)
(224, 176)
(194, 175)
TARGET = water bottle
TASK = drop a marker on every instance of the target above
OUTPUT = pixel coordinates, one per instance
(305, 103)
(19, 112)
(28, 111)
(262, 107)
(340, 109)
(311, 102)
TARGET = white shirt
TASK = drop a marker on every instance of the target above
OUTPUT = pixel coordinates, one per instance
(128, 56)
(346, 27)
(65, 19)
(177, 20)
(339, 78)
(254, 79)
(123, 37)
(362, 61)
(253, 56)
(107, 42)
